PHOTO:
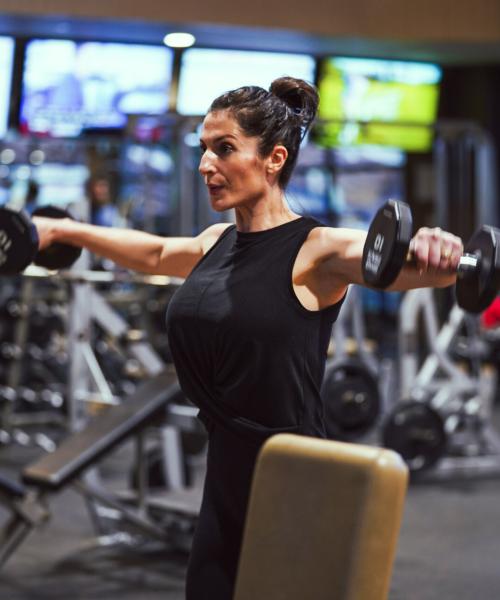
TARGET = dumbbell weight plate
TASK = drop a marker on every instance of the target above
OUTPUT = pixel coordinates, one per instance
(476, 288)
(18, 241)
(350, 397)
(416, 431)
(387, 244)
(56, 256)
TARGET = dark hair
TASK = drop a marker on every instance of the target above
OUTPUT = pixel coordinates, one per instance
(281, 115)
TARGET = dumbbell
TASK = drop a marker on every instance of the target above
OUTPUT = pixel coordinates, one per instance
(19, 242)
(386, 251)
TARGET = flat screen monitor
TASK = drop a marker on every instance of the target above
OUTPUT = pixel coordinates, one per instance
(58, 184)
(69, 86)
(206, 73)
(6, 63)
(372, 101)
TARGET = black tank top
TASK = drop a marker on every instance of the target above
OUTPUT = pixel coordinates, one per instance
(247, 352)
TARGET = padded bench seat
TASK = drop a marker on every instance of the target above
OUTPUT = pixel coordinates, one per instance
(323, 521)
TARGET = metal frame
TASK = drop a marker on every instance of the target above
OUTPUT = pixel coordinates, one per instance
(451, 388)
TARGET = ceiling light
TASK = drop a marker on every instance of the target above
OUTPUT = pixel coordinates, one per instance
(179, 40)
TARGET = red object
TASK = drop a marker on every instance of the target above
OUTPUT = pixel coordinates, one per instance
(491, 316)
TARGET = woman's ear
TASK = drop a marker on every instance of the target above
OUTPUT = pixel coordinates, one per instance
(277, 159)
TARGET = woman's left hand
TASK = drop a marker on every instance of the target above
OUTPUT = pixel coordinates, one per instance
(435, 250)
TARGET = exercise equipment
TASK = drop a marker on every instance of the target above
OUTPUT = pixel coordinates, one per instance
(25, 510)
(417, 432)
(387, 246)
(73, 462)
(19, 242)
(442, 425)
(159, 464)
(351, 398)
(57, 255)
(348, 500)
(351, 390)
(104, 277)
(479, 271)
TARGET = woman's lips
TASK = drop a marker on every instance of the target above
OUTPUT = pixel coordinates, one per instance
(215, 189)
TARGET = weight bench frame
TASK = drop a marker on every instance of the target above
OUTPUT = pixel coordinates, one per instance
(80, 451)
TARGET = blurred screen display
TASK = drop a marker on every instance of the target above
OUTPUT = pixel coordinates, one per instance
(56, 184)
(373, 101)
(69, 87)
(6, 61)
(207, 73)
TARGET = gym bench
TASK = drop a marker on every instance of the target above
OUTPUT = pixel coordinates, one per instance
(323, 521)
(84, 449)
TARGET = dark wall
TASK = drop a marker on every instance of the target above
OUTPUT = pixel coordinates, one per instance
(426, 20)
(471, 94)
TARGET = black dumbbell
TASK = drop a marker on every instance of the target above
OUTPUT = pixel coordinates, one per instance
(19, 242)
(386, 251)
(57, 255)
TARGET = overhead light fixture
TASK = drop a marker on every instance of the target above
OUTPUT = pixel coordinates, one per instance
(179, 40)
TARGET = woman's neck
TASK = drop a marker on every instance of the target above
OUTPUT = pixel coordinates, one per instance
(264, 215)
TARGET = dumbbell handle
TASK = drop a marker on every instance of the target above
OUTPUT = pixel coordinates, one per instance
(467, 263)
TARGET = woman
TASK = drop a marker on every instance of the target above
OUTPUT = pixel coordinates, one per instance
(249, 328)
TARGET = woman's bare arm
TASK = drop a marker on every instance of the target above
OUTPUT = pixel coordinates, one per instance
(331, 259)
(132, 249)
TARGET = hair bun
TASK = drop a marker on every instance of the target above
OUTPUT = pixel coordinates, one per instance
(300, 96)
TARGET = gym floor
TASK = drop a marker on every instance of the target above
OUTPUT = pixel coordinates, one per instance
(448, 547)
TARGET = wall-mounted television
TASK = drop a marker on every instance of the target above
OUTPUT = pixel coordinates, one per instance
(205, 73)
(69, 87)
(372, 101)
(6, 63)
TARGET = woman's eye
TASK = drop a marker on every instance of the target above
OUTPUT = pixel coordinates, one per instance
(225, 148)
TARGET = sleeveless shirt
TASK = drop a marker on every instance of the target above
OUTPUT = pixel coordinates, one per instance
(248, 354)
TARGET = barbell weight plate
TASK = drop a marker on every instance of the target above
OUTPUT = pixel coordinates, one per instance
(416, 431)
(350, 397)
(18, 241)
(476, 288)
(56, 256)
(387, 243)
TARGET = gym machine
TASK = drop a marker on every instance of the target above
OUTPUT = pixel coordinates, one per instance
(445, 420)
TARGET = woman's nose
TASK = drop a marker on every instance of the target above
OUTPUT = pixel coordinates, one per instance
(206, 163)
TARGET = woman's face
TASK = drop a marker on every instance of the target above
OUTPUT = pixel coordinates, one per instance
(231, 167)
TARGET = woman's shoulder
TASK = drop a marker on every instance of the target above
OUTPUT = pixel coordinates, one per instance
(209, 236)
(324, 241)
